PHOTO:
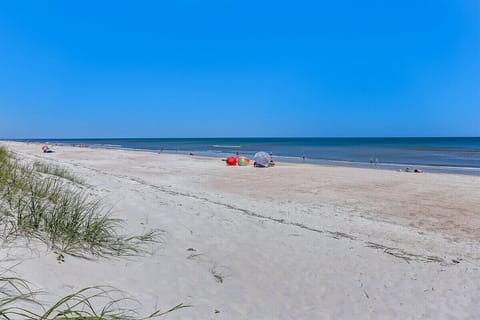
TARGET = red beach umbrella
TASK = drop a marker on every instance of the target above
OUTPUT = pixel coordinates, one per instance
(231, 161)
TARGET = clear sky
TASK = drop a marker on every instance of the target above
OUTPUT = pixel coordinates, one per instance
(239, 68)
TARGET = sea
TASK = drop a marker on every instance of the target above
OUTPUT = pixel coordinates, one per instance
(450, 155)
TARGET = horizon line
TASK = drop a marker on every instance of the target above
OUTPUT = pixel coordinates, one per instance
(257, 137)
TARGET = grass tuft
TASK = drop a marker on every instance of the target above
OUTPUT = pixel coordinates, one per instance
(219, 277)
(55, 170)
(37, 202)
(44, 201)
(18, 302)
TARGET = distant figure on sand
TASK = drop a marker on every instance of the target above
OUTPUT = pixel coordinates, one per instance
(376, 162)
(407, 169)
(371, 162)
(46, 149)
(303, 158)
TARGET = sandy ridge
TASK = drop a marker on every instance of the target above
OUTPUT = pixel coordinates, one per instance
(315, 248)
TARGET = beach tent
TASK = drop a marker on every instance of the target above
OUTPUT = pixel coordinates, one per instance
(242, 161)
(231, 161)
(261, 159)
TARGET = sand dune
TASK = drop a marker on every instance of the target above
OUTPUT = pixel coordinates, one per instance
(290, 242)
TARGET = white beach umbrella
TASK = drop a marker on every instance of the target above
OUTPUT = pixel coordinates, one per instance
(261, 159)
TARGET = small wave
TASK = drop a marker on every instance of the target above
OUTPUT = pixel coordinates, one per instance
(225, 146)
(105, 146)
(112, 145)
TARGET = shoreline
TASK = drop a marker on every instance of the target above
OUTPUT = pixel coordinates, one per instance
(301, 169)
(388, 166)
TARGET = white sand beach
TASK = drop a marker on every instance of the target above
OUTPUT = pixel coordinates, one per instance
(295, 241)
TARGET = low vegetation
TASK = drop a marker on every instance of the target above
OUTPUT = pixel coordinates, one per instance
(48, 203)
(217, 275)
(18, 302)
(42, 201)
(57, 171)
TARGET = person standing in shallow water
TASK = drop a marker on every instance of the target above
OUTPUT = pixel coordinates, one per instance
(271, 163)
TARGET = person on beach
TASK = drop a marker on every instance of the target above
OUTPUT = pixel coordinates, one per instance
(371, 162)
(376, 162)
(303, 157)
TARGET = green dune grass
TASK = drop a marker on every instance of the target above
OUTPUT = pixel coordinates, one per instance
(49, 203)
(18, 302)
(45, 202)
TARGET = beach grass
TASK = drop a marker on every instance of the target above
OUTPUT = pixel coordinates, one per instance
(42, 201)
(17, 301)
(56, 170)
(39, 201)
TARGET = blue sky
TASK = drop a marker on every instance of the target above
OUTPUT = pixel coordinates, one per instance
(239, 68)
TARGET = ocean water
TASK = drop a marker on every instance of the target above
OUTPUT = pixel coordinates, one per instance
(457, 155)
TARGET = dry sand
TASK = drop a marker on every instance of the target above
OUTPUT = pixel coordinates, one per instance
(290, 242)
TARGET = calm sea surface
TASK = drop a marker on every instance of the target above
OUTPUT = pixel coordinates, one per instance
(458, 155)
